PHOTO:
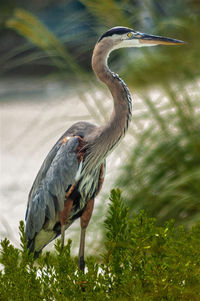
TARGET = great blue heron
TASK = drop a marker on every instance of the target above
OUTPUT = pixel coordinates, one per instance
(73, 172)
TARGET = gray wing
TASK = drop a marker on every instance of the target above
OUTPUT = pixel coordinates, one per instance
(47, 195)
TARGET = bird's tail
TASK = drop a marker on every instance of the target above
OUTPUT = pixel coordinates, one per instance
(30, 246)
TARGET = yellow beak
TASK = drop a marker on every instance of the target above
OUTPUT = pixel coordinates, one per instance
(157, 40)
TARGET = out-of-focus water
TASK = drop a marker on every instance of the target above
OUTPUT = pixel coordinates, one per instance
(34, 114)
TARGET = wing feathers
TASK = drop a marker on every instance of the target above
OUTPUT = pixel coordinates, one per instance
(48, 194)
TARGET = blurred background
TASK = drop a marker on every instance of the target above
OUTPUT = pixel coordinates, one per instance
(46, 84)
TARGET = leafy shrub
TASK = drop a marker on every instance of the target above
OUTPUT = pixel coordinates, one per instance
(141, 261)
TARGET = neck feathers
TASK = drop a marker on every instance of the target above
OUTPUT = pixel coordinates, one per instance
(102, 142)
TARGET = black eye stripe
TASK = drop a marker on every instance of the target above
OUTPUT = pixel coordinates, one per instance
(117, 30)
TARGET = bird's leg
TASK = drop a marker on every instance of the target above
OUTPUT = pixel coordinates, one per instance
(64, 215)
(85, 218)
(62, 235)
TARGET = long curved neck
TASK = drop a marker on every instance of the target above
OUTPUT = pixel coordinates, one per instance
(102, 141)
(118, 123)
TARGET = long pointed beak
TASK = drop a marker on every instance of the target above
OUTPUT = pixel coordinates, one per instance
(156, 40)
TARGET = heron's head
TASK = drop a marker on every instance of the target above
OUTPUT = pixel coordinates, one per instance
(121, 37)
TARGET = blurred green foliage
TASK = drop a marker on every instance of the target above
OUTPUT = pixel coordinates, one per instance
(33, 30)
(162, 174)
(66, 49)
(141, 261)
(109, 11)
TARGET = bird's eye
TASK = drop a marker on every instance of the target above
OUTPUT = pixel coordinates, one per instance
(130, 34)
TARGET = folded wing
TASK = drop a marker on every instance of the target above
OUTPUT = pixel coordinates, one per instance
(55, 177)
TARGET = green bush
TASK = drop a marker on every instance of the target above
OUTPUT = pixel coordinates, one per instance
(141, 261)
